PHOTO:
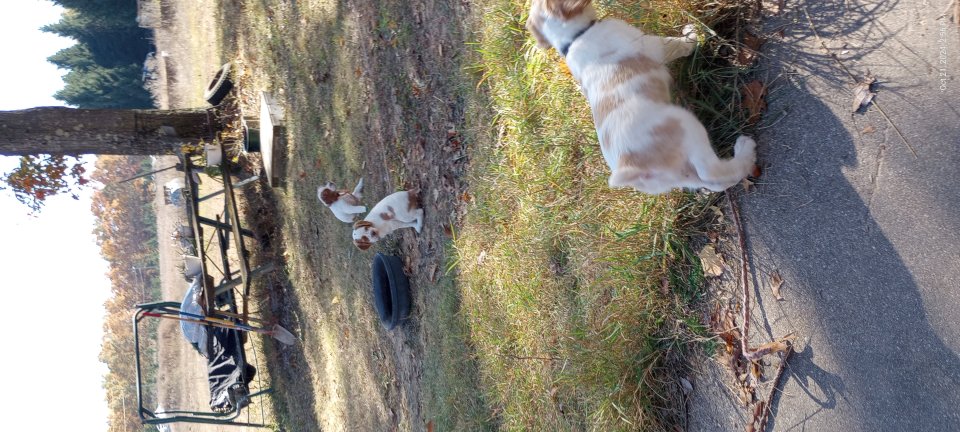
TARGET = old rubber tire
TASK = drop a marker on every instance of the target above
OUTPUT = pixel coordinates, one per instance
(391, 290)
(220, 86)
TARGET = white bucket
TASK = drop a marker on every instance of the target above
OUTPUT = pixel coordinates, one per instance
(214, 154)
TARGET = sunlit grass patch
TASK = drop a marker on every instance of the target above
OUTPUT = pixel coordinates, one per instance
(574, 291)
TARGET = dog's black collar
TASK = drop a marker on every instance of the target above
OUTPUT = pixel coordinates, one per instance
(565, 48)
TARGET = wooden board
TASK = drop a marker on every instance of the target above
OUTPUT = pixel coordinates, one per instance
(271, 135)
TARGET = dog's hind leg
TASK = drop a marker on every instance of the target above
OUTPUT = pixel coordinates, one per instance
(418, 222)
(718, 174)
(415, 222)
(356, 209)
(676, 47)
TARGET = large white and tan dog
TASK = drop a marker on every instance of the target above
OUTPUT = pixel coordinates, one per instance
(395, 211)
(650, 144)
(343, 204)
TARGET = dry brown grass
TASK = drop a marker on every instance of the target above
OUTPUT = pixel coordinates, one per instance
(369, 94)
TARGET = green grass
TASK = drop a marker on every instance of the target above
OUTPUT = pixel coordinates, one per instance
(575, 294)
(451, 400)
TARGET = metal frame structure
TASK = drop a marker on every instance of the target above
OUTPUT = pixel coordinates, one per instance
(148, 416)
(226, 230)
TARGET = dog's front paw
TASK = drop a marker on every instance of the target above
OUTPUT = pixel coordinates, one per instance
(745, 145)
(745, 148)
(690, 32)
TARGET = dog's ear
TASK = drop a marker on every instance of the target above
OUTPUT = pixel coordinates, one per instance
(566, 9)
(362, 243)
(329, 196)
(362, 224)
(533, 25)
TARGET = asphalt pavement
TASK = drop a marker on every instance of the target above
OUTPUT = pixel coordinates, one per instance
(865, 234)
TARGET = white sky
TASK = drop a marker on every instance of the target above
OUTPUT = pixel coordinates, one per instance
(53, 278)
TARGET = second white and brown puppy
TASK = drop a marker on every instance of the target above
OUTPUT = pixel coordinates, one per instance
(343, 204)
(649, 143)
(397, 210)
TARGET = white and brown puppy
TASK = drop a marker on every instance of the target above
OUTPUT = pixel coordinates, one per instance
(343, 204)
(397, 210)
(650, 144)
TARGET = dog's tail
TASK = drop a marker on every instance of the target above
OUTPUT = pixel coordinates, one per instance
(358, 191)
(721, 174)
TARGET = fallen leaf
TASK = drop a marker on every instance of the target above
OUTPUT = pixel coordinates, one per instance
(711, 261)
(723, 325)
(869, 129)
(430, 426)
(775, 283)
(773, 347)
(750, 50)
(752, 42)
(863, 93)
(336, 300)
(713, 236)
(433, 272)
(685, 384)
(753, 93)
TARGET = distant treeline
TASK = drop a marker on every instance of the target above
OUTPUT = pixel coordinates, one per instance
(106, 65)
(127, 236)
